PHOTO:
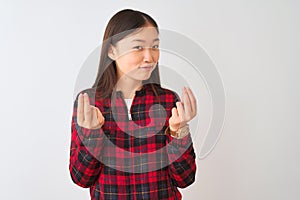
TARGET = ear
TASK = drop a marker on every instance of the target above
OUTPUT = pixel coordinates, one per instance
(112, 52)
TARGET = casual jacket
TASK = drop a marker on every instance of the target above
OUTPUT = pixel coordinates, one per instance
(132, 159)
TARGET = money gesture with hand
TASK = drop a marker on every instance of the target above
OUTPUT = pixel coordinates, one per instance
(88, 116)
(185, 111)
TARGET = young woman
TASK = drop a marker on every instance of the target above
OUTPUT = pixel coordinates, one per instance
(130, 136)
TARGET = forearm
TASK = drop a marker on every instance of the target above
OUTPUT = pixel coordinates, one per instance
(182, 167)
(85, 153)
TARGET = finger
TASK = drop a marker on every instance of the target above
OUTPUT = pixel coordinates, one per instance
(192, 100)
(99, 116)
(187, 103)
(182, 95)
(80, 114)
(95, 113)
(87, 108)
(181, 112)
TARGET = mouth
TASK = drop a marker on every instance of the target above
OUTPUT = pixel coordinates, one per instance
(148, 67)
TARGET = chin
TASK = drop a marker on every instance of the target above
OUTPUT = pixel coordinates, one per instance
(141, 78)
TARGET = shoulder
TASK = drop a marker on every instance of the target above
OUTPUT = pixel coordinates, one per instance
(162, 91)
(91, 92)
(94, 100)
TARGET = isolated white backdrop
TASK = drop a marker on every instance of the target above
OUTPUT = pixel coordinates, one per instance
(255, 45)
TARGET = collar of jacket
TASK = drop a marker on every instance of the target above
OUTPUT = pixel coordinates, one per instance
(140, 92)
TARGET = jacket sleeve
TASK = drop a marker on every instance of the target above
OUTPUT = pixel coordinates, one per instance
(181, 155)
(85, 152)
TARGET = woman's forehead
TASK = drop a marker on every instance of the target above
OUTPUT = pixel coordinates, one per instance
(145, 34)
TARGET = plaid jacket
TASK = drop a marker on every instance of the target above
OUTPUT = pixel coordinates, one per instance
(132, 159)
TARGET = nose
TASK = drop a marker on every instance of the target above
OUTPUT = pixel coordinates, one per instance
(148, 55)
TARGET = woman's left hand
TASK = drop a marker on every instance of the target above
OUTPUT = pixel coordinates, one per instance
(185, 111)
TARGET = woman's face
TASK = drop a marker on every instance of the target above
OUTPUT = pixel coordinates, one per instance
(137, 54)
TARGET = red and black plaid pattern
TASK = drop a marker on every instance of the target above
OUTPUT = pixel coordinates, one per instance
(132, 159)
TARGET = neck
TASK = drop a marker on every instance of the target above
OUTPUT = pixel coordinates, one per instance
(128, 86)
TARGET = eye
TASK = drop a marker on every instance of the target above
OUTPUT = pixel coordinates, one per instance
(155, 47)
(138, 47)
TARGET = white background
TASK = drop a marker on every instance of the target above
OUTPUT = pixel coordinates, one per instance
(254, 44)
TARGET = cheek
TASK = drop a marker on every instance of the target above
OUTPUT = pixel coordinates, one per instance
(156, 55)
(129, 61)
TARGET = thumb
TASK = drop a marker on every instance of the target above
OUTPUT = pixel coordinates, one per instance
(174, 112)
(99, 116)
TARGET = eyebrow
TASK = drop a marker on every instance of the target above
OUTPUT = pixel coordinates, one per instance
(139, 40)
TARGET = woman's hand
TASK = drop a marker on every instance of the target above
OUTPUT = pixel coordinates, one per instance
(185, 111)
(88, 116)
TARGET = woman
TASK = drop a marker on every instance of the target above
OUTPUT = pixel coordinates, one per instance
(130, 136)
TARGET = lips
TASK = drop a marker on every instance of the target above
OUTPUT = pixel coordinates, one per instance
(147, 67)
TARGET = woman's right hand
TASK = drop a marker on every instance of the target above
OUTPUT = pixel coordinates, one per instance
(88, 116)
